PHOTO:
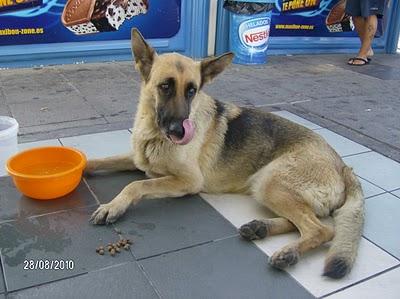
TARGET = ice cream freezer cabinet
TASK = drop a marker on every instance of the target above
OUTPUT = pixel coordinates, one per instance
(313, 26)
(42, 32)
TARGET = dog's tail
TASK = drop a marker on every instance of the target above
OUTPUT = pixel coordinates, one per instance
(349, 220)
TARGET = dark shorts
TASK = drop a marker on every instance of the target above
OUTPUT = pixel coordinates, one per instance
(365, 8)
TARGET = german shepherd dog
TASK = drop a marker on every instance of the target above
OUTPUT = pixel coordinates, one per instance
(187, 142)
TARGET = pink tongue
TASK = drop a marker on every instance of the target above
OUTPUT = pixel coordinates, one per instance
(189, 133)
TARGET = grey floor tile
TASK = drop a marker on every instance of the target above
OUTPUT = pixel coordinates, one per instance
(64, 236)
(342, 145)
(112, 143)
(2, 296)
(370, 189)
(230, 268)
(382, 226)
(121, 281)
(14, 205)
(162, 225)
(297, 119)
(377, 169)
(107, 185)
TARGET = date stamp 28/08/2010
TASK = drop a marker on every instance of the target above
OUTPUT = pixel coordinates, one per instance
(49, 265)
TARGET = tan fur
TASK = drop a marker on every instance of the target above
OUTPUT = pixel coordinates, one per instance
(286, 167)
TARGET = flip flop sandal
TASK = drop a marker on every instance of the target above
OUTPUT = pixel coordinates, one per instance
(351, 61)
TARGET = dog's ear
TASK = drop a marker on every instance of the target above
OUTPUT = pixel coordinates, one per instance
(212, 66)
(144, 54)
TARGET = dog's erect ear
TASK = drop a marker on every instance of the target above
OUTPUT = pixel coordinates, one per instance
(212, 66)
(143, 54)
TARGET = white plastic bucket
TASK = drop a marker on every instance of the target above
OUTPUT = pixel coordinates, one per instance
(8, 139)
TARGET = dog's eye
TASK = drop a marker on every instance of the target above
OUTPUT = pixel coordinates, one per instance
(164, 86)
(191, 92)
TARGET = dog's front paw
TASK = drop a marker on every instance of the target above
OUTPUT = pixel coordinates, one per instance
(253, 230)
(107, 213)
(285, 257)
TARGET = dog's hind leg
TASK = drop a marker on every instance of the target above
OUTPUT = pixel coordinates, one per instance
(259, 229)
(115, 163)
(290, 205)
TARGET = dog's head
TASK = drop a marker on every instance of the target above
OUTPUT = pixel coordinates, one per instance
(174, 82)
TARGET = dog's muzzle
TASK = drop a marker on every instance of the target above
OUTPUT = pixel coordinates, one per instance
(181, 132)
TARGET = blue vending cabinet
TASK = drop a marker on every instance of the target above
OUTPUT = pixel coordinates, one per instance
(42, 32)
(314, 26)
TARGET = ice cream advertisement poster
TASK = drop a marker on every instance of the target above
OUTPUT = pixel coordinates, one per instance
(57, 21)
(319, 18)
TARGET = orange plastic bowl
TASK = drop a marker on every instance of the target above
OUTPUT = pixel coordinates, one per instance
(47, 172)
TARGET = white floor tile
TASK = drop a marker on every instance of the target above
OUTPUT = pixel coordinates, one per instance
(297, 119)
(29, 145)
(101, 145)
(370, 189)
(385, 286)
(342, 145)
(382, 224)
(371, 260)
(396, 193)
(377, 169)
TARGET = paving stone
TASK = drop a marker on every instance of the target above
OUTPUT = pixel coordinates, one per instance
(366, 114)
(88, 127)
(256, 92)
(4, 111)
(56, 130)
(2, 286)
(120, 281)
(65, 236)
(379, 71)
(48, 112)
(230, 268)
(382, 225)
(340, 87)
(162, 225)
(14, 205)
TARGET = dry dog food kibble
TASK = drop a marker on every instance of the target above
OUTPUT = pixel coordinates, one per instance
(114, 248)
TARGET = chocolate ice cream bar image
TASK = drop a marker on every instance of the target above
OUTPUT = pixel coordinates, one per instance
(13, 5)
(337, 20)
(91, 16)
(136, 7)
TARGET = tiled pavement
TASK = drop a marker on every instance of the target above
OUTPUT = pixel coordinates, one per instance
(187, 247)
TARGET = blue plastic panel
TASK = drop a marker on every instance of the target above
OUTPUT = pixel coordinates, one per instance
(190, 40)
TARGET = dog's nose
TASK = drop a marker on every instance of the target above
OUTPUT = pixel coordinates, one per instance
(176, 128)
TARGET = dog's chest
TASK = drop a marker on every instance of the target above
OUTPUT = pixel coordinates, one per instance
(150, 156)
